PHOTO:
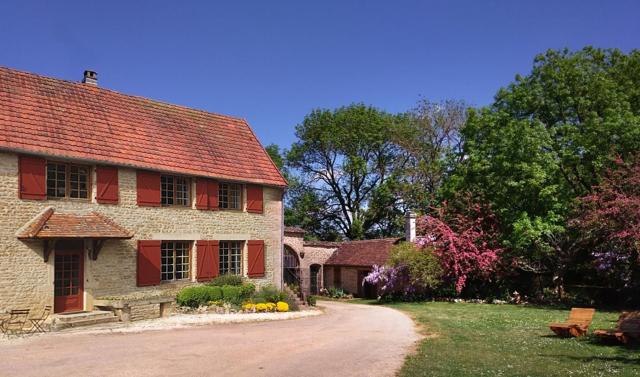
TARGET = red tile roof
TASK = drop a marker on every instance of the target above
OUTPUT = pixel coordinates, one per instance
(294, 230)
(49, 224)
(49, 116)
(327, 244)
(362, 253)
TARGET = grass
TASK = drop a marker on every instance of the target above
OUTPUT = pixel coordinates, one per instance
(507, 340)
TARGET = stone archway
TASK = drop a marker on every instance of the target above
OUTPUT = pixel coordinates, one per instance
(291, 267)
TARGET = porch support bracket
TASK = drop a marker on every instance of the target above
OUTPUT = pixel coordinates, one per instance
(47, 248)
(97, 246)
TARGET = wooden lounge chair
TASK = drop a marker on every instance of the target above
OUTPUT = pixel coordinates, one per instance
(627, 329)
(577, 324)
(14, 325)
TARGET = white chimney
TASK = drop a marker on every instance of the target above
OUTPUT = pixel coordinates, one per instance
(410, 226)
(90, 77)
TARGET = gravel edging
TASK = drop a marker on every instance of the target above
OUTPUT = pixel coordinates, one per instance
(175, 321)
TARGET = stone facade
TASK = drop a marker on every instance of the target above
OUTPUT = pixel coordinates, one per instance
(26, 281)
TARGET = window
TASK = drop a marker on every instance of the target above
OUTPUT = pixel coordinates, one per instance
(67, 181)
(174, 190)
(229, 196)
(230, 257)
(174, 260)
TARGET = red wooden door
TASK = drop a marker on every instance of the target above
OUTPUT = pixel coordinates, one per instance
(68, 281)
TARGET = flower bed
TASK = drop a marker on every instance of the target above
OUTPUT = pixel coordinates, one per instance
(228, 295)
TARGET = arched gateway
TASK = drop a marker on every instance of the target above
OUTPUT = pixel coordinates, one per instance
(291, 267)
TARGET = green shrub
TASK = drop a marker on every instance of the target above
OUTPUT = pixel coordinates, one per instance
(232, 294)
(334, 292)
(425, 271)
(197, 296)
(247, 290)
(269, 293)
(235, 280)
(311, 300)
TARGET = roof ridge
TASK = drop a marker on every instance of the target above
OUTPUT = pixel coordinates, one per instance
(38, 221)
(100, 88)
(265, 151)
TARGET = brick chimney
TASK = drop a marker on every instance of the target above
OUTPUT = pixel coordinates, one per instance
(410, 226)
(90, 77)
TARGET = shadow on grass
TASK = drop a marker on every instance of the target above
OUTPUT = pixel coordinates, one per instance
(589, 359)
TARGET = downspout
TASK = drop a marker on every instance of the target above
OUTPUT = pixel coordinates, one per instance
(282, 239)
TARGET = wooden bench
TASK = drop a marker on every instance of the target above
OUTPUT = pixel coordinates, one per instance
(627, 329)
(577, 324)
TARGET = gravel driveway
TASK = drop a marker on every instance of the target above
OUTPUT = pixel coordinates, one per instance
(349, 340)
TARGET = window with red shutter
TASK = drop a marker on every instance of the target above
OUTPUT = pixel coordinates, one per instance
(256, 258)
(107, 184)
(254, 199)
(32, 177)
(148, 267)
(148, 188)
(208, 254)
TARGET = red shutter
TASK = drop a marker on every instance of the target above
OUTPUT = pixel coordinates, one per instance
(208, 256)
(32, 172)
(148, 263)
(202, 195)
(212, 189)
(148, 184)
(254, 199)
(256, 259)
(206, 194)
(107, 184)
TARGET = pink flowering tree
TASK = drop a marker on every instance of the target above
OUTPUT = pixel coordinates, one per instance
(466, 244)
(609, 222)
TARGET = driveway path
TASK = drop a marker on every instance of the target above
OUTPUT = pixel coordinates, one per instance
(349, 340)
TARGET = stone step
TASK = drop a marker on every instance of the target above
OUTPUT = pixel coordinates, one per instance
(293, 295)
(65, 321)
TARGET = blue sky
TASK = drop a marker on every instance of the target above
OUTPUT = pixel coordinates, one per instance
(271, 62)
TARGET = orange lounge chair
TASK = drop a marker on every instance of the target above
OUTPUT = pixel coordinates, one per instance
(626, 331)
(577, 324)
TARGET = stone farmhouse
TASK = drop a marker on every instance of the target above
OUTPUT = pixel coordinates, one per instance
(314, 265)
(105, 196)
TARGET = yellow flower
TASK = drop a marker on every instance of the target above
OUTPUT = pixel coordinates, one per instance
(261, 307)
(248, 306)
(270, 306)
(282, 306)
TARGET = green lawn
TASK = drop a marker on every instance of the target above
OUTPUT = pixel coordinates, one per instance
(508, 340)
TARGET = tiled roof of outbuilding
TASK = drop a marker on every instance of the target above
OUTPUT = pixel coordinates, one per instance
(364, 253)
(49, 116)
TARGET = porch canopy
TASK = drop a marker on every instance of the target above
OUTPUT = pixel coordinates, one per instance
(51, 226)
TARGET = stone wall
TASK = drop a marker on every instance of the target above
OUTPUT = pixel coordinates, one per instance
(26, 281)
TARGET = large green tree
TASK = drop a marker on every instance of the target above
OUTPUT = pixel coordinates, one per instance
(546, 140)
(345, 160)
(430, 143)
